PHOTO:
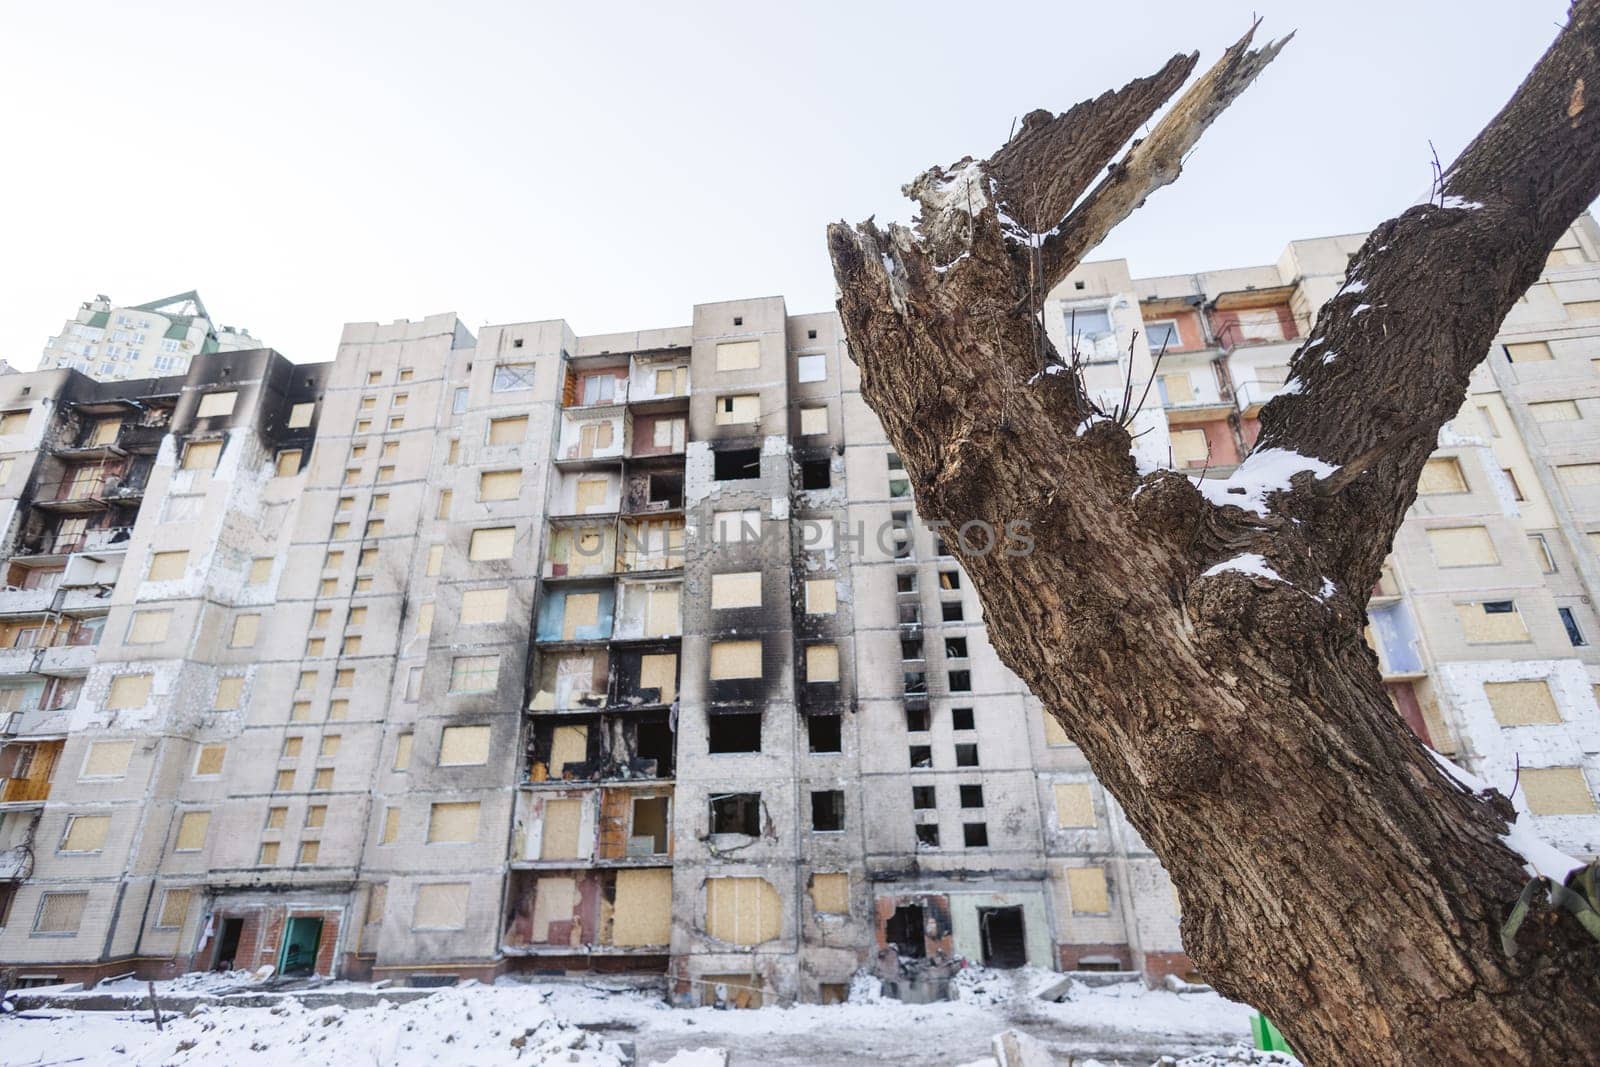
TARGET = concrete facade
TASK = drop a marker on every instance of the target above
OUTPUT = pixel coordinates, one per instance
(530, 651)
(110, 342)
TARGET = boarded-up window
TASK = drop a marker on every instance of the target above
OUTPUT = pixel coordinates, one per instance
(464, 746)
(1579, 475)
(822, 663)
(192, 831)
(733, 527)
(590, 495)
(558, 830)
(1557, 791)
(568, 744)
(213, 404)
(474, 674)
(1086, 886)
(741, 590)
(659, 670)
(288, 463)
(738, 355)
(672, 381)
(107, 759)
(643, 911)
(661, 614)
(830, 893)
(1496, 620)
(483, 606)
(1522, 703)
(440, 906)
(60, 913)
(500, 485)
(435, 560)
(813, 421)
(579, 611)
(129, 691)
(1529, 352)
(329, 747)
(1189, 446)
(1442, 474)
(86, 833)
(174, 908)
(202, 455)
(245, 628)
(323, 779)
(260, 570)
(1179, 388)
(165, 566)
(735, 659)
(425, 618)
(209, 761)
(1074, 804)
(822, 596)
(310, 852)
(736, 410)
(453, 823)
(13, 422)
(402, 752)
(268, 854)
(1555, 411)
(742, 911)
(669, 434)
(1463, 546)
(496, 542)
(1054, 735)
(509, 431)
(149, 627)
(300, 415)
(391, 826)
(1584, 309)
(230, 693)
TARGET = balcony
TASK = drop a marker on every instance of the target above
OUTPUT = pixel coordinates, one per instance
(14, 601)
(1253, 395)
(126, 439)
(17, 660)
(34, 721)
(71, 660)
(80, 494)
(16, 863)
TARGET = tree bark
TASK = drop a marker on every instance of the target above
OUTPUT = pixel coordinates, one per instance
(1331, 873)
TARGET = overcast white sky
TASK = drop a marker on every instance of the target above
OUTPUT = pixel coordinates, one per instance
(303, 165)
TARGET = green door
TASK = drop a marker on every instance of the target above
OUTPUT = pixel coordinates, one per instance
(299, 953)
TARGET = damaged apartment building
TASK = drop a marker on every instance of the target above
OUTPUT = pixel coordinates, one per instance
(527, 652)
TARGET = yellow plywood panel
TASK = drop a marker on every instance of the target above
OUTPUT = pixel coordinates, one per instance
(60, 913)
(643, 911)
(300, 415)
(149, 627)
(830, 893)
(107, 759)
(86, 833)
(464, 746)
(568, 744)
(590, 495)
(1087, 888)
(288, 464)
(822, 596)
(1074, 804)
(492, 543)
(129, 691)
(1557, 791)
(245, 628)
(1179, 388)
(165, 566)
(559, 829)
(210, 760)
(822, 663)
(660, 671)
(735, 659)
(1522, 703)
(1530, 352)
(1189, 446)
(192, 830)
(441, 906)
(213, 404)
(579, 610)
(738, 590)
(508, 431)
(202, 455)
(738, 355)
(738, 410)
(743, 911)
(500, 485)
(483, 606)
(661, 615)
(555, 899)
(813, 421)
(174, 908)
(1054, 735)
(260, 570)
(1484, 627)
(1442, 474)
(455, 822)
(1463, 546)
(1584, 309)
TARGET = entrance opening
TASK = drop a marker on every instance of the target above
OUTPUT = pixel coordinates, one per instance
(906, 931)
(228, 945)
(301, 937)
(1003, 941)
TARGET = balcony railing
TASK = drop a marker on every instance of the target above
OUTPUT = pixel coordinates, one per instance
(1253, 394)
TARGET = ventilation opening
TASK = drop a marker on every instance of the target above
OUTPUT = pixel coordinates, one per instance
(733, 464)
(905, 931)
(736, 813)
(740, 732)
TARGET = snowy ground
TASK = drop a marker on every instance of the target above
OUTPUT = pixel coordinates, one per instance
(580, 1024)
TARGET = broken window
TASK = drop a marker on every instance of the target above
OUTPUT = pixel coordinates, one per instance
(647, 834)
(736, 732)
(923, 797)
(922, 756)
(1570, 621)
(916, 719)
(824, 733)
(955, 648)
(928, 834)
(961, 719)
(900, 533)
(960, 681)
(733, 464)
(906, 929)
(827, 809)
(967, 755)
(972, 796)
(915, 683)
(655, 740)
(975, 834)
(905, 582)
(815, 474)
(736, 813)
(951, 611)
(949, 579)
(910, 649)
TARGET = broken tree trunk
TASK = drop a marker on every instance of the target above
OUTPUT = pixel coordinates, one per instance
(1204, 648)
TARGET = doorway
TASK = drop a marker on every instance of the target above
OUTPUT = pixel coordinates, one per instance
(228, 945)
(1004, 944)
(906, 930)
(301, 936)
